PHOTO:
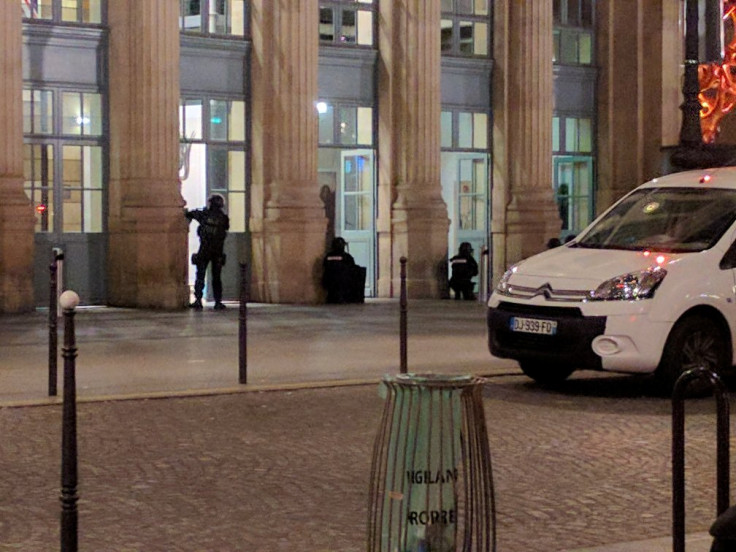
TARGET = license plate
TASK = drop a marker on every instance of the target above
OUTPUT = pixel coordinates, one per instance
(533, 325)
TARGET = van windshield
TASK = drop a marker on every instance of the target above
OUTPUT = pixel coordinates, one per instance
(672, 220)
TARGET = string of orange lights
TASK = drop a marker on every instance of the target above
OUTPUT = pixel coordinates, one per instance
(718, 83)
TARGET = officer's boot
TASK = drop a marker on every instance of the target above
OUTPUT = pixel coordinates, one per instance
(724, 531)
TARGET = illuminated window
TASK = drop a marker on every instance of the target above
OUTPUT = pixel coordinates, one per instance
(37, 9)
(345, 124)
(227, 120)
(573, 33)
(465, 28)
(190, 119)
(212, 151)
(214, 17)
(38, 111)
(472, 195)
(81, 195)
(63, 156)
(81, 113)
(575, 134)
(464, 130)
(68, 11)
(347, 22)
(38, 172)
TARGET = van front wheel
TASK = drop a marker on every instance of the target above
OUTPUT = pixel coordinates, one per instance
(695, 341)
(546, 372)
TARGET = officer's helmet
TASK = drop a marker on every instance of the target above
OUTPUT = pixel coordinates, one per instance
(338, 244)
(216, 201)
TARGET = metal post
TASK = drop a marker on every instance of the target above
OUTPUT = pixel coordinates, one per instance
(484, 275)
(69, 301)
(690, 130)
(243, 326)
(678, 450)
(402, 318)
(53, 322)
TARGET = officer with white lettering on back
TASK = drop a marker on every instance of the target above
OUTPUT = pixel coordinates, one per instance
(337, 272)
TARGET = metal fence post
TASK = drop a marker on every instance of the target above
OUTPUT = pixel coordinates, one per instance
(402, 318)
(678, 449)
(69, 542)
(243, 326)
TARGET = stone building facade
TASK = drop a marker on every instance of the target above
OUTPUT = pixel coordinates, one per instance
(228, 92)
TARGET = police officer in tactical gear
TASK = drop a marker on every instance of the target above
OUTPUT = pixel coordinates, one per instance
(463, 267)
(213, 227)
(338, 266)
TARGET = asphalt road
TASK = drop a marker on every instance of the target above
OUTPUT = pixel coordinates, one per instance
(585, 464)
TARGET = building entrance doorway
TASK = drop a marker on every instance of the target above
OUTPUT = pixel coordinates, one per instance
(64, 181)
(465, 190)
(207, 170)
(574, 192)
(355, 210)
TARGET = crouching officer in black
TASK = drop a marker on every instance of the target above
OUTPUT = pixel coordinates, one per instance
(338, 267)
(213, 227)
(463, 268)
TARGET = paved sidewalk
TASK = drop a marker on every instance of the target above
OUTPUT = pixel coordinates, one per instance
(696, 542)
(133, 354)
(126, 352)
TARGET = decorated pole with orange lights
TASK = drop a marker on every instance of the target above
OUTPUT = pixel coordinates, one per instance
(708, 88)
(690, 132)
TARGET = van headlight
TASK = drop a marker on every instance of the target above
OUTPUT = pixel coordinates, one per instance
(631, 286)
(503, 286)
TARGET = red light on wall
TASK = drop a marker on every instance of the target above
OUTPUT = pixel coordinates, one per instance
(40, 208)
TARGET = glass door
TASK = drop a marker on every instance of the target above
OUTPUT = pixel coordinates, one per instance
(472, 202)
(356, 212)
(64, 181)
(573, 188)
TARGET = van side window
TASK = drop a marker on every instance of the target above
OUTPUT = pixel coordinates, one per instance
(729, 259)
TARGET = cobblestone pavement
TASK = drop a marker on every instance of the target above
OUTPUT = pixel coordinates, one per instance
(586, 464)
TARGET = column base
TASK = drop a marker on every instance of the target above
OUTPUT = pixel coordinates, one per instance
(287, 260)
(420, 235)
(16, 254)
(147, 260)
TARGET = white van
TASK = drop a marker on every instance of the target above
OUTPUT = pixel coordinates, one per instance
(649, 286)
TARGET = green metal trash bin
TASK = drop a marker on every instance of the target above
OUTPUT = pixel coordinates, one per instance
(431, 480)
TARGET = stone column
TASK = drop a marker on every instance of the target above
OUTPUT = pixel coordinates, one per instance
(410, 186)
(16, 211)
(147, 263)
(523, 102)
(287, 217)
(640, 52)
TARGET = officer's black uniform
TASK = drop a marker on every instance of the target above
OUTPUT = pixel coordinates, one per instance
(338, 268)
(213, 227)
(463, 268)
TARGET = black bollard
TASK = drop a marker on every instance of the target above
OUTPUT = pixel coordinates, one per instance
(243, 326)
(69, 301)
(678, 448)
(53, 321)
(402, 318)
